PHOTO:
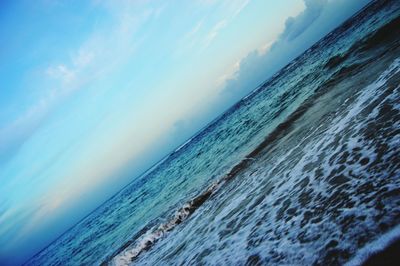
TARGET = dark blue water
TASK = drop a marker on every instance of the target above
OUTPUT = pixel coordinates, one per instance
(304, 170)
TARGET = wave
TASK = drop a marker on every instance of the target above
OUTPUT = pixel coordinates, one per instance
(151, 233)
(384, 249)
(148, 236)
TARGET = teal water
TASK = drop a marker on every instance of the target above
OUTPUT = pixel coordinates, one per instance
(304, 170)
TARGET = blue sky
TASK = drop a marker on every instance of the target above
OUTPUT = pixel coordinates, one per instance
(94, 92)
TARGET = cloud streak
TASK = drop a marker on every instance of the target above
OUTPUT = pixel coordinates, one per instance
(100, 54)
(233, 7)
(214, 32)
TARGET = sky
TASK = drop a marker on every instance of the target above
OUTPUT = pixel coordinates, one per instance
(93, 93)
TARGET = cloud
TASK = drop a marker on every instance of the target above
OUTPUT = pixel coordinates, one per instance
(239, 6)
(296, 26)
(61, 72)
(14, 135)
(68, 77)
(103, 51)
(78, 63)
(317, 19)
(232, 8)
(214, 32)
(195, 29)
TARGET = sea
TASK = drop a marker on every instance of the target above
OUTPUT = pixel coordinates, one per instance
(305, 170)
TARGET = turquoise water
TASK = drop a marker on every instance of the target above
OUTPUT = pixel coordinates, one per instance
(303, 170)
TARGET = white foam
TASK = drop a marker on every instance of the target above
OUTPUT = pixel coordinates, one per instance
(223, 214)
(374, 247)
(184, 144)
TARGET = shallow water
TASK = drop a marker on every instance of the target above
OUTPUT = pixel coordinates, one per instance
(304, 170)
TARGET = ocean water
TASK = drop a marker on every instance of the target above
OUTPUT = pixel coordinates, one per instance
(304, 170)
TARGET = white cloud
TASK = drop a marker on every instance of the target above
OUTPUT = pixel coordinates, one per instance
(101, 53)
(295, 26)
(231, 9)
(239, 6)
(195, 29)
(214, 32)
(62, 73)
(83, 58)
(300, 32)
(265, 47)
